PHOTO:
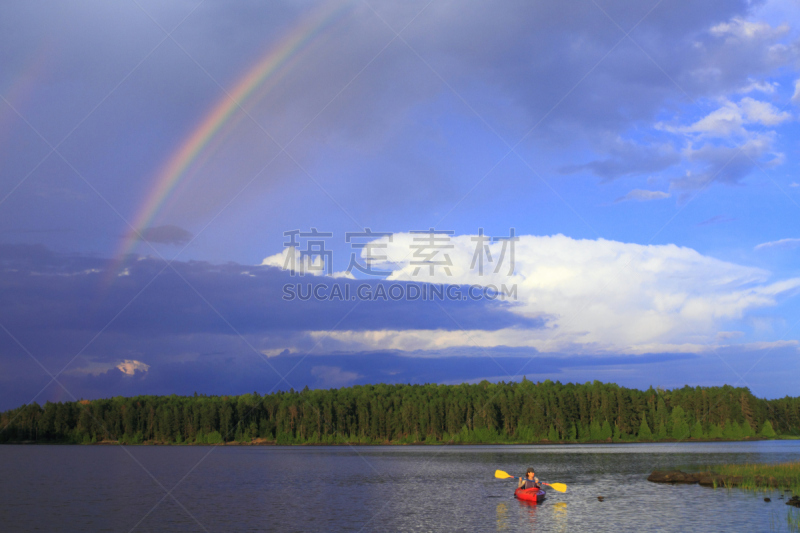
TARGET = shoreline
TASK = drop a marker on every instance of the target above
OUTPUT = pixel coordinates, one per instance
(263, 442)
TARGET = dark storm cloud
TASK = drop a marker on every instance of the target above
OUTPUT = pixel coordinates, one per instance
(61, 311)
(377, 133)
(54, 306)
(44, 290)
(53, 303)
(168, 234)
(238, 372)
(565, 67)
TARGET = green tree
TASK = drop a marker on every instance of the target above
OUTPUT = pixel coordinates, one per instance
(644, 430)
(767, 430)
(595, 431)
(732, 430)
(697, 430)
(468, 413)
(680, 429)
(605, 431)
(715, 432)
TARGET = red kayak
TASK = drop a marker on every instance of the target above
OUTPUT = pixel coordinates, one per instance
(530, 495)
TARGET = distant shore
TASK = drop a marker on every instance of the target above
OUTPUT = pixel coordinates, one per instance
(395, 414)
(265, 442)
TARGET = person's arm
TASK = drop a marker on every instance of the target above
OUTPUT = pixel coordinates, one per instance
(521, 483)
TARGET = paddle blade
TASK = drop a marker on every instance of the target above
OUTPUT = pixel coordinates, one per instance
(499, 474)
(560, 487)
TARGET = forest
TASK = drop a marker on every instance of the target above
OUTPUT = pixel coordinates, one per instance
(515, 412)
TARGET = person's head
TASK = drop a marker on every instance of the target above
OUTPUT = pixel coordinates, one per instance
(530, 474)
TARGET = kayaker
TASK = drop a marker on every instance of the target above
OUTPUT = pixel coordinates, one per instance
(530, 481)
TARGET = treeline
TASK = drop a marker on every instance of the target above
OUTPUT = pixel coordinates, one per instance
(523, 412)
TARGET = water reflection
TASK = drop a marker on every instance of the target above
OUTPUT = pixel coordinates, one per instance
(560, 516)
(93, 488)
(502, 517)
(529, 512)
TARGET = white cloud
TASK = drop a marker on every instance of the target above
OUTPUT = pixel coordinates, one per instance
(275, 352)
(643, 196)
(131, 366)
(745, 30)
(796, 96)
(97, 368)
(758, 112)
(782, 243)
(594, 295)
(724, 335)
(438, 343)
(290, 259)
(731, 118)
(760, 86)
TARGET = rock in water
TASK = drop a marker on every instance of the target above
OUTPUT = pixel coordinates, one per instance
(794, 501)
(600, 498)
(677, 476)
(767, 500)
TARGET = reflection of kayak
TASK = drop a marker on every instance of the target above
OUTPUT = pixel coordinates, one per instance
(530, 495)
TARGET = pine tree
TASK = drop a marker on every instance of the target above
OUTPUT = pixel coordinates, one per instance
(715, 432)
(595, 431)
(605, 431)
(680, 429)
(573, 433)
(697, 430)
(644, 430)
(732, 430)
(484, 412)
(767, 430)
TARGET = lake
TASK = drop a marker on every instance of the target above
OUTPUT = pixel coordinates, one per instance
(377, 488)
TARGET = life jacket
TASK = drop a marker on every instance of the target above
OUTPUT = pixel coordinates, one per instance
(530, 484)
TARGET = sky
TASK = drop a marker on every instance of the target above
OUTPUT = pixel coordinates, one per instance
(199, 196)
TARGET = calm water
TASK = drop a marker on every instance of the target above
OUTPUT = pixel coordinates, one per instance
(449, 488)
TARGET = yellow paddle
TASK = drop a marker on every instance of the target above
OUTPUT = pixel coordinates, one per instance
(560, 487)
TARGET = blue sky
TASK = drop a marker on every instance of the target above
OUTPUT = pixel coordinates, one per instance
(645, 154)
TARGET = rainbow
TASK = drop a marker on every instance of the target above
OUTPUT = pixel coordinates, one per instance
(176, 167)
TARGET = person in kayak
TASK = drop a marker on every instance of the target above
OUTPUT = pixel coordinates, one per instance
(530, 481)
